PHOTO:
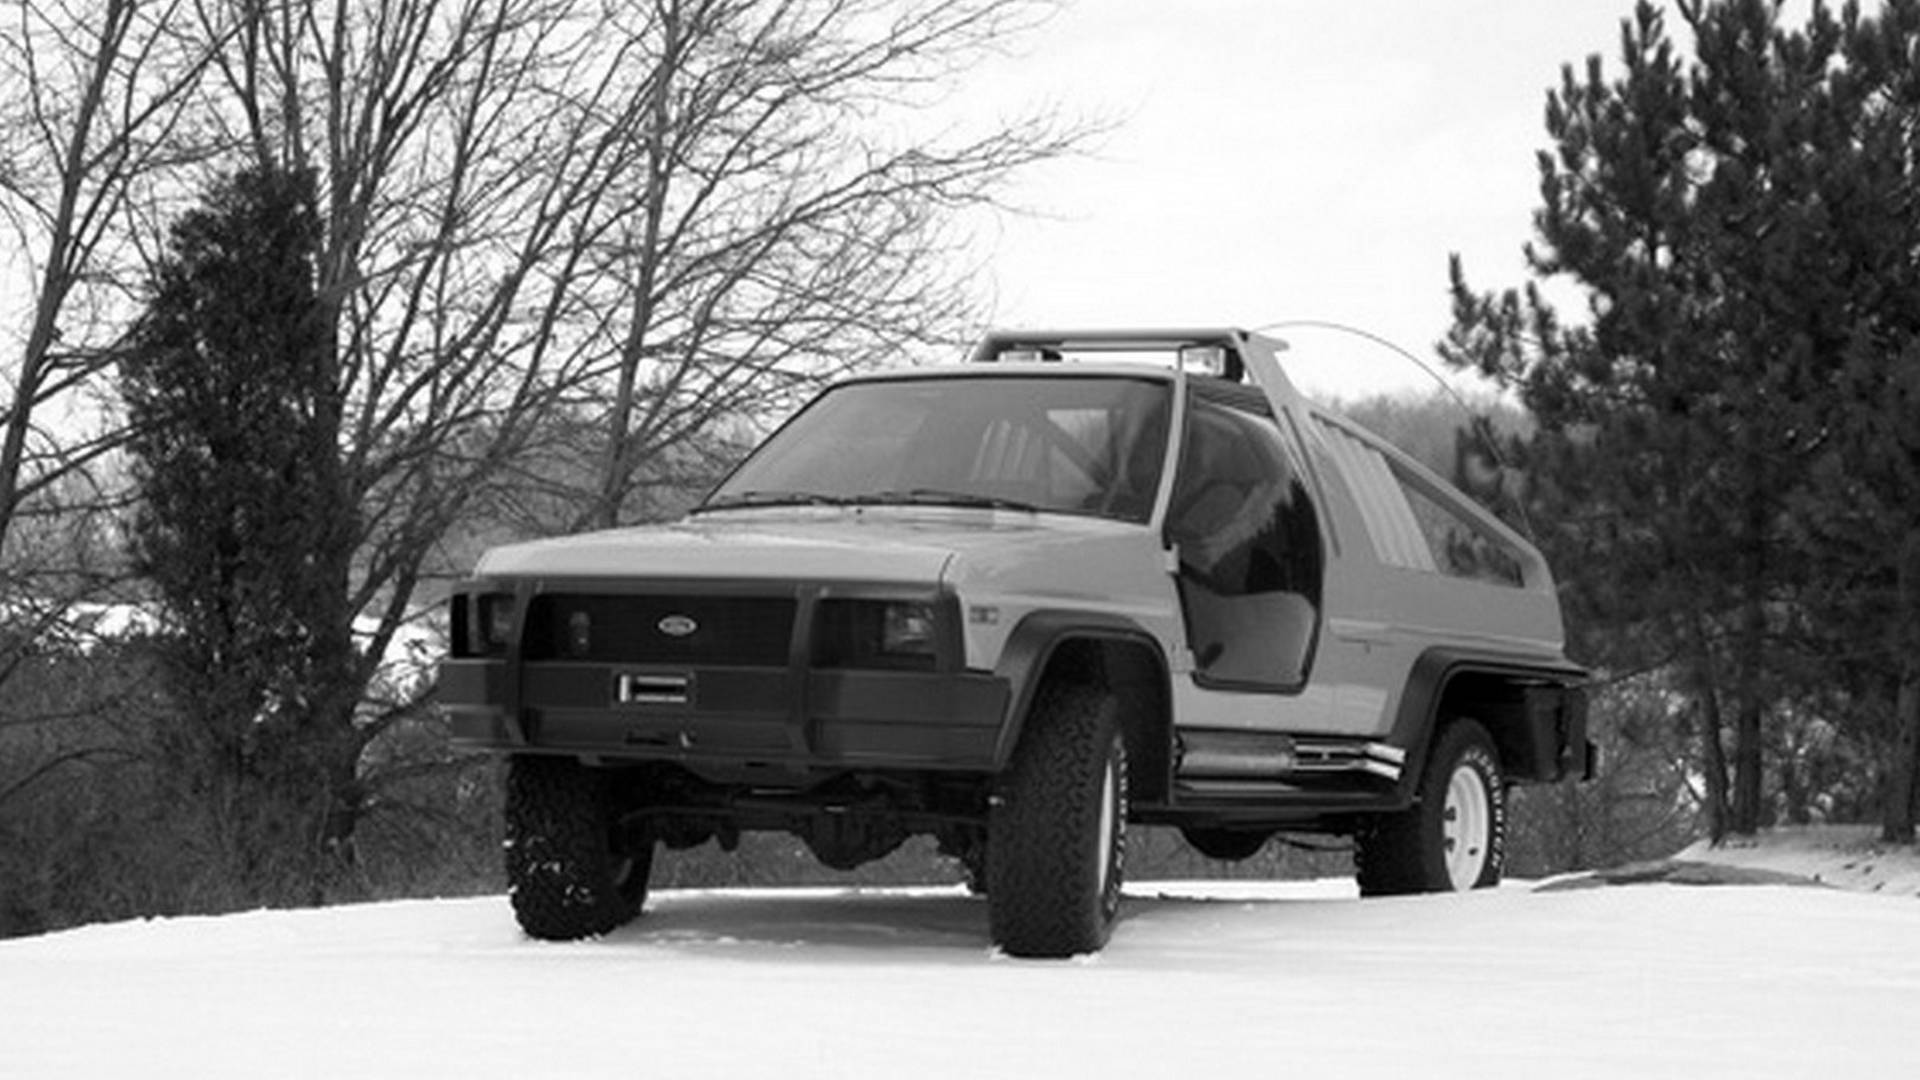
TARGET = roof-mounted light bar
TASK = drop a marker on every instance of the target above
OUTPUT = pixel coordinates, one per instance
(1216, 351)
(1024, 356)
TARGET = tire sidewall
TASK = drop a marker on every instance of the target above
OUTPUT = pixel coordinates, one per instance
(1114, 810)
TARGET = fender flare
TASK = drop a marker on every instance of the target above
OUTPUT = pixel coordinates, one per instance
(1031, 647)
(1427, 681)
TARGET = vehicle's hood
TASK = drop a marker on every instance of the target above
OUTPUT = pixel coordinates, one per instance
(915, 545)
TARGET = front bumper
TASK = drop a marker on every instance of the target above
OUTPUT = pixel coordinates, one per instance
(765, 718)
(732, 679)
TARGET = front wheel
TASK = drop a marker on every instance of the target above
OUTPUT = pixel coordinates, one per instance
(566, 877)
(1453, 838)
(1057, 830)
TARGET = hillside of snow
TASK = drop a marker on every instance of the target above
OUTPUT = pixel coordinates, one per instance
(1843, 856)
(1653, 978)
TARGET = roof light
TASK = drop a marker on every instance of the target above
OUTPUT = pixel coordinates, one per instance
(1028, 354)
(1211, 359)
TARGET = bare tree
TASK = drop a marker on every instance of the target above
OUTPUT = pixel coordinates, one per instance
(570, 248)
(637, 220)
(776, 235)
(667, 211)
(92, 105)
(95, 102)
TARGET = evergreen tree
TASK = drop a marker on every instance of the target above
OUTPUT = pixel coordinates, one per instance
(1867, 539)
(244, 531)
(1736, 221)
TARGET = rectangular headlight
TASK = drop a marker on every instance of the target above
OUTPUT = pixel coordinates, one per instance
(492, 625)
(907, 629)
(877, 634)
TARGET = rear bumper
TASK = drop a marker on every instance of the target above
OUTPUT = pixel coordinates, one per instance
(730, 718)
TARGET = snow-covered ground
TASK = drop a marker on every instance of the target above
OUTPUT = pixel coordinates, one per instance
(1843, 856)
(1654, 978)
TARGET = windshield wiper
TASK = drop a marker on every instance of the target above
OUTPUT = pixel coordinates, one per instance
(770, 498)
(922, 496)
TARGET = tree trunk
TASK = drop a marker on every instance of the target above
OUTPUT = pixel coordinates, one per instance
(1713, 761)
(1794, 793)
(1749, 690)
(616, 478)
(1749, 766)
(1903, 775)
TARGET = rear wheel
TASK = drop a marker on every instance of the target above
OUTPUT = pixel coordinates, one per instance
(1057, 831)
(1453, 837)
(566, 877)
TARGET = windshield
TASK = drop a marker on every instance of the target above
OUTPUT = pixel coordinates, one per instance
(1063, 444)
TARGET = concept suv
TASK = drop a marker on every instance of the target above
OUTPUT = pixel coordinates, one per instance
(1085, 580)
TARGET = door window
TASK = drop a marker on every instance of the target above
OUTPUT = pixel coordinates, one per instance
(1250, 557)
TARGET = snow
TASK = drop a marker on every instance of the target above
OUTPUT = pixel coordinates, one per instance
(1201, 979)
(1845, 856)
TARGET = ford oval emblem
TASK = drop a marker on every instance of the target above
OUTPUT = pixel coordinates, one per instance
(677, 626)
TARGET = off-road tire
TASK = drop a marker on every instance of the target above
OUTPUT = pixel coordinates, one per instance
(1413, 851)
(1057, 830)
(1226, 845)
(565, 877)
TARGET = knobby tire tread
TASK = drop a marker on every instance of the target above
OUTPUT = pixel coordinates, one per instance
(561, 869)
(1043, 900)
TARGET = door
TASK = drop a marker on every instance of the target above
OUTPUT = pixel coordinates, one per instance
(1250, 560)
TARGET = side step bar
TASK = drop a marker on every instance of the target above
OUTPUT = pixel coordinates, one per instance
(1259, 756)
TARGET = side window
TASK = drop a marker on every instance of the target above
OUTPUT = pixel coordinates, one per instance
(1240, 515)
(1459, 548)
(1408, 527)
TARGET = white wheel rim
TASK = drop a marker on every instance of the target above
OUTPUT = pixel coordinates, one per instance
(1109, 820)
(1464, 827)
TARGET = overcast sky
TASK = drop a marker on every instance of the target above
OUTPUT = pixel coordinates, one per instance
(1287, 160)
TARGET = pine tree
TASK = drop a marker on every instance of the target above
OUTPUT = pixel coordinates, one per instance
(1868, 541)
(1740, 339)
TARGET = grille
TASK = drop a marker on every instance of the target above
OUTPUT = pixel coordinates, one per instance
(733, 631)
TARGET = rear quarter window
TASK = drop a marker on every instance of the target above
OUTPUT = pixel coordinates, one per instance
(1409, 526)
